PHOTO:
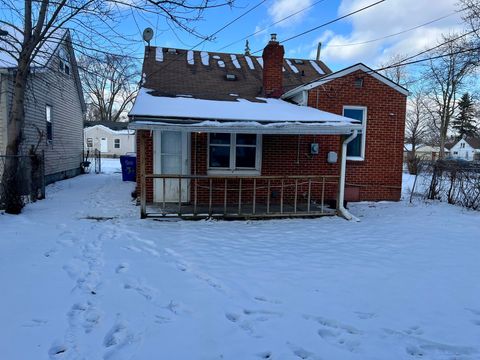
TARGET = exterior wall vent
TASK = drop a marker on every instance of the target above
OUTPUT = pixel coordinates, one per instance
(298, 61)
(231, 77)
(359, 83)
(172, 51)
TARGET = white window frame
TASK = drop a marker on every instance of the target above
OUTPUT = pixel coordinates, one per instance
(115, 143)
(363, 131)
(90, 142)
(232, 169)
(48, 120)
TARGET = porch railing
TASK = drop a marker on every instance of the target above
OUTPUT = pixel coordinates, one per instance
(208, 196)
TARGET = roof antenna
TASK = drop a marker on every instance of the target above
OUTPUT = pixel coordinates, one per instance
(148, 35)
(319, 51)
(247, 48)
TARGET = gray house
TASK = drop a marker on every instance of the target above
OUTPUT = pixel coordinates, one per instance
(54, 107)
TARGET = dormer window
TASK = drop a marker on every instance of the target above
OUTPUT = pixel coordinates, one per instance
(64, 61)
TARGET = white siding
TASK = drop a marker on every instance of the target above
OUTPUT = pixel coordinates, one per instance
(127, 141)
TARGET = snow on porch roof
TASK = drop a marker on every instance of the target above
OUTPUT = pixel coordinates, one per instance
(252, 113)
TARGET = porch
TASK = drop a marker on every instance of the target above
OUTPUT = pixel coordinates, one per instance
(241, 197)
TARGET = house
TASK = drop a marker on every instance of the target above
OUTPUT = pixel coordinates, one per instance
(111, 138)
(466, 149)
(423, 152)
(234, 135)
(54, 107)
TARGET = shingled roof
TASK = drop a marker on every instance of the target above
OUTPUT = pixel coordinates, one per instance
(203, 75)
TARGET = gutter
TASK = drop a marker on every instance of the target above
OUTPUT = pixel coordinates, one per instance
(343, 167)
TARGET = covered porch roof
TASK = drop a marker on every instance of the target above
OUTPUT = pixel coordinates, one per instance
(262, 116)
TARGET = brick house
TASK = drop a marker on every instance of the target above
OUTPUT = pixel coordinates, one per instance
(242, 136)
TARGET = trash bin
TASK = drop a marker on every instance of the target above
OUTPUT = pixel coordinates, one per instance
(129, 167)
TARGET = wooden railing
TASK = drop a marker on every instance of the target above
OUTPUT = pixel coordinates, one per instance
(204, 196)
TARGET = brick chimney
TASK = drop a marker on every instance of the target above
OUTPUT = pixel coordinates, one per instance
(273, 69)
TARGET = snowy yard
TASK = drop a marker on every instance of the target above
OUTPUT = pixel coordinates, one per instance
(401, 284)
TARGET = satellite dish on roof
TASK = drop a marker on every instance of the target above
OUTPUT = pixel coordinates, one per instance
(148, 35)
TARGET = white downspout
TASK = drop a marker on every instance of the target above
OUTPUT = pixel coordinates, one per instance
(343, 169)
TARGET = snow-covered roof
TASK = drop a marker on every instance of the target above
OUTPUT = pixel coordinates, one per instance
(105, 128)
(268, 116)
(265, 110)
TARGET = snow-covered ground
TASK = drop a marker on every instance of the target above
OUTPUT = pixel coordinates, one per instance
(82, 277)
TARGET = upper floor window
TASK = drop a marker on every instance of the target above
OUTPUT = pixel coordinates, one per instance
(462, 146)
(89, 142)
(234, 153)
(356, 147)
(48, 118)
(64, 61)
(116, 143)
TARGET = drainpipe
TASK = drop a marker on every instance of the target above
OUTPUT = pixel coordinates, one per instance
(343, 169)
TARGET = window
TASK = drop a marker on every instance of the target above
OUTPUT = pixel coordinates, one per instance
(89, 142)
(48, 117)
(116, 143)
(462, 146)
(356, 148)
(239, 153)
(64, 61)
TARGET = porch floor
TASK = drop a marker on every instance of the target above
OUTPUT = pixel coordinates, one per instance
(156, 210)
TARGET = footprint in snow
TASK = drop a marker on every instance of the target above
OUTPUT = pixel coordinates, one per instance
(337, 334)
(121, 268)
(301, 353)
(57, 351)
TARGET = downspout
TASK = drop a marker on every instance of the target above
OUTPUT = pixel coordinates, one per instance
(343, 169)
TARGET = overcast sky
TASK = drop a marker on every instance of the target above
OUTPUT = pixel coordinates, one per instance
(340, 40)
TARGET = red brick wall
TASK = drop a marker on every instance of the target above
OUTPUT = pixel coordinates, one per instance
(282, 155)
(148, 138)
(379, 176)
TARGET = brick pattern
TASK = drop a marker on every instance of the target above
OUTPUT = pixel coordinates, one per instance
(148, 138)
(273, 69)
(379, 176)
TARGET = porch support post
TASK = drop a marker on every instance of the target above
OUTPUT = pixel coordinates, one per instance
(143, 182)
(341, 183)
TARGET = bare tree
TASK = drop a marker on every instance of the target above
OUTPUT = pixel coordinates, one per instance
(110, 85)
(471, 14)
(446, 76)
(416, 129)
(36, 22)
(398, 73)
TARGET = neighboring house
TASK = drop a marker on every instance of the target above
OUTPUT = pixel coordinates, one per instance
(424, 152)
(466, 149)
(54, 107)
(243, 136)
(111, 138)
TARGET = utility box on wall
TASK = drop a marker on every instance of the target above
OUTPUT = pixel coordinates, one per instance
(332, 157)
(314, 148)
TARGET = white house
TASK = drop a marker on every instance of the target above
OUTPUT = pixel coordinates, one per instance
(466, 149)
(111, 139)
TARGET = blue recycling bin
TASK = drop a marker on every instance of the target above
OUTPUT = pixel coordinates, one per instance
(129, 167)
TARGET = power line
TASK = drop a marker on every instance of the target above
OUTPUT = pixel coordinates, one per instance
(273, 24)
(394, 34)
(332, 21)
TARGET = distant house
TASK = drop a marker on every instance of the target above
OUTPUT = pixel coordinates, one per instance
(241, 136)
(466, 149)
(424, 152)
(112, 139)
(54, 107)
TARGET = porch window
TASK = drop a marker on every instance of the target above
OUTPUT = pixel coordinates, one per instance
(234, 153)
(356, 148)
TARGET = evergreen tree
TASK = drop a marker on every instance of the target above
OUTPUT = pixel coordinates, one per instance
(465, 123)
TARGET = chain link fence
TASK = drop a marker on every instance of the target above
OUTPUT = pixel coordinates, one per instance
(27, 173)
(455, 182)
